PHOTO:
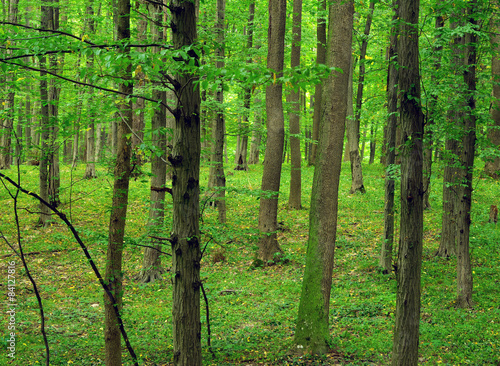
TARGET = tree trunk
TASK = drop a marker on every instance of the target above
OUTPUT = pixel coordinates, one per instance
(448, 242)
(271, 176)
(428, 136)
(467, 152)
(390, 133)
(406, 329)
(256, 135)
(295, 198)
(151, 264)
(492, 165)
(114, 274)
(312, 330)
(185, 160)
(357, 184)
(217, 178)
(320, 59)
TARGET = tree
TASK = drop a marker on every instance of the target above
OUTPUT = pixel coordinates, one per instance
(320, 59)
(357, 184)
(467, 153)
(114, 274)
(492, 165)
(217, 179)
(295, 198)
(271, 176)
(392, 117)
(312, 330)
(406, 329)
(151, 264)
(185, 160)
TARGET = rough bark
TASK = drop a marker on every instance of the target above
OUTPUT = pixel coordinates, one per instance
(390, 132)
(320, 59)
(217, 178)
(295, 197)
(185, 160)
(271, 176)
(407, 315)
(114, 273)
(312, 330)
(467, 152)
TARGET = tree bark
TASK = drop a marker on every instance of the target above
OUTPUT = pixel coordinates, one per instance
(406, 329)
(114, 273)
(390, 134)
(256, 134)
(271, 176)
(217, 178)
(312, 330)
(320, 59)
(295, 197)
(185, 160)
(467, 152)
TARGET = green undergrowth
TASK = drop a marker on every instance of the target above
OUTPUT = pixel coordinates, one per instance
(252, 310)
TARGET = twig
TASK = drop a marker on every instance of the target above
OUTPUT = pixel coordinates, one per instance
(209, 343)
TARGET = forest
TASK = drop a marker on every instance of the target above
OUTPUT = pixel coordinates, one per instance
(301, 182)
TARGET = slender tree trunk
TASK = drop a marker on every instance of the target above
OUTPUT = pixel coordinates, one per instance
(312, 330)
(256, 135)
(428, 137)
(492, 165)
(114, 273)
(448, 242)
(320, 59)
(90, 171)
(185, 160)
(406, 329)
(151, 264)
(357, 184)
(271, 176)
(467, 152)
(217, 179)
(390, 132)
(295, 198)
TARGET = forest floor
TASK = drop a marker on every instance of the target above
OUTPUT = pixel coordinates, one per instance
(252, 310)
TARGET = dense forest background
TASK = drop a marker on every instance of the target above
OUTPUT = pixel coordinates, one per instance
(227, 153)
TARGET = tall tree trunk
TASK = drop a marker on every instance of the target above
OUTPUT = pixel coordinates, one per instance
(90, 140)
(271, 176)
(448, 242)
(151, 264)
(312, 330)
(467, 152)
(320, 59)
(357, 184)
(185, 159)
(390, 141)
(406, 329)
(295, 198)
(217, 179)
(114, 273)
(492, 165)
(256, 135)
(429, 126)
(7, 125)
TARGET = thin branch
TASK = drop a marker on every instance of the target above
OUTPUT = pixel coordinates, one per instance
(208, 321)
(63, 217)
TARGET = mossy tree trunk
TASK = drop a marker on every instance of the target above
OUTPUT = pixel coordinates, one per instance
(312, 330)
